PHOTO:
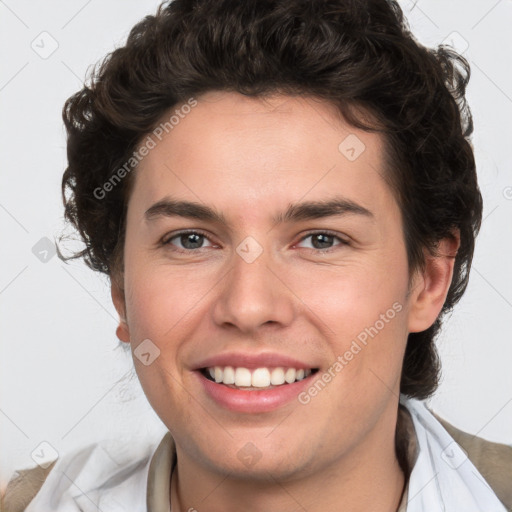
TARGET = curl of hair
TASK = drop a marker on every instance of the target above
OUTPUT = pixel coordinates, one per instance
(358, 55)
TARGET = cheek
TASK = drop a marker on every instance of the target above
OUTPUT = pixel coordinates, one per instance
(348, 299)
(165, 305)
(361, 312)
(156, 307)
(159, 297)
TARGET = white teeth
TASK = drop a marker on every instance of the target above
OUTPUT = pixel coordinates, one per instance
(229, 375)
(277, 377)
(290, 374)
(242, 377)
(258, 378)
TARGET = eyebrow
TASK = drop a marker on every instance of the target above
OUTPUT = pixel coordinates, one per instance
(308, 210)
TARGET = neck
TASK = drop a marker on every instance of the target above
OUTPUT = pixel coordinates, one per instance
(367, 478)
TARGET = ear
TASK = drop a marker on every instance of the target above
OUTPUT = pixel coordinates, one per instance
(430, 287)
(117, 293)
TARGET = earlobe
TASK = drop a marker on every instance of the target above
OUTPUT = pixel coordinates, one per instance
(122, 330)
(431, 287)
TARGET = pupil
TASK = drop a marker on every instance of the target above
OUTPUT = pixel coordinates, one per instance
(194, 238)
(323, 239)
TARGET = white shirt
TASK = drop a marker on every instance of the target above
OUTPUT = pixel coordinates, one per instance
(118, 477)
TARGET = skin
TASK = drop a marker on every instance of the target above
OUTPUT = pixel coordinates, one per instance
(250, 158)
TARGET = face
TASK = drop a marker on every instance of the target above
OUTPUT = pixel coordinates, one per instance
(291, 257)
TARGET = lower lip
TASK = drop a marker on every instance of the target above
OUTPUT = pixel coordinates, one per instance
(253, 401)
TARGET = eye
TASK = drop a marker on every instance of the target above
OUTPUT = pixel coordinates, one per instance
(189, 241)
(322, 241)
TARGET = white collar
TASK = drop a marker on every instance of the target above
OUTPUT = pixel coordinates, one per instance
(443, 479)
(108, 476)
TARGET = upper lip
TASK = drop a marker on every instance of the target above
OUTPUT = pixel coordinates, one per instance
(252, 361)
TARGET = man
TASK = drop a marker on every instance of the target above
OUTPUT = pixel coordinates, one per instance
(284, 197)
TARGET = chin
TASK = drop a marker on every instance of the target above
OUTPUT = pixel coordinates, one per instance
(255, 462)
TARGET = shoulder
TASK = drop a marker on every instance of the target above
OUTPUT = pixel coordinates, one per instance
(23, 486)
(493, 460)
(104, 472)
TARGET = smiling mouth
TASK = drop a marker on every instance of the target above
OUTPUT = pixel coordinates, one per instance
(257, 379)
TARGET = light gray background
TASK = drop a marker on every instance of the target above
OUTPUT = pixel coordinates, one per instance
(63, 381)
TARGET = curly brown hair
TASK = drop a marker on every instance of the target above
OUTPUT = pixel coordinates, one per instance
(358, 55)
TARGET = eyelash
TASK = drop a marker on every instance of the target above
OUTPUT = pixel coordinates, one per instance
(167, 242)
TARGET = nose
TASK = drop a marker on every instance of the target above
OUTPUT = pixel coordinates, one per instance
(253, 294)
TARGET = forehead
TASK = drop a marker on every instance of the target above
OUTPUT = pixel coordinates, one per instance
(232, 151)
